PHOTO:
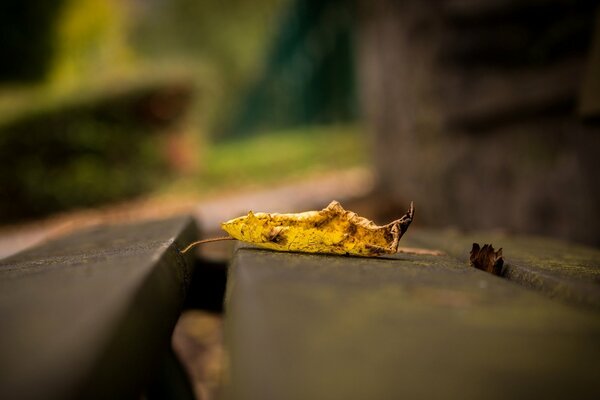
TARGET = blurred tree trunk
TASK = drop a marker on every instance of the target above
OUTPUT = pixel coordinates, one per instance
(473, 111)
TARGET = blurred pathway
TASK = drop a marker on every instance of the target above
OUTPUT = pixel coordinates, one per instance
(300, 196)
(311, 193)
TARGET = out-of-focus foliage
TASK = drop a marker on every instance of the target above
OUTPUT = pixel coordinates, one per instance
(264, 64)
(26, 38)
(224, 42)
(90, 42)
(88, 150)
(74, 140)
(309, 74)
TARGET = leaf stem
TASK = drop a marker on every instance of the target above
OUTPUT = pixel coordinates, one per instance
(217, 239)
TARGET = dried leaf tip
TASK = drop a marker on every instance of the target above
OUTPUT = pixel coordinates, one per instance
(486, 259)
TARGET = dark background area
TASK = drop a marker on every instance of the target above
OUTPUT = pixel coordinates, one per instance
(486, 113)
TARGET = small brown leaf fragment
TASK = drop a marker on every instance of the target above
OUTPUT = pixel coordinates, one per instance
(486, 259)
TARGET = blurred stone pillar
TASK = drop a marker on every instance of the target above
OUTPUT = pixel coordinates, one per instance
(473, 111)
(397, 43)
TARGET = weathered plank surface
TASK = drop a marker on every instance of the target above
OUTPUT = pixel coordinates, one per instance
(325, 327)
(90, 314)
(562, 270)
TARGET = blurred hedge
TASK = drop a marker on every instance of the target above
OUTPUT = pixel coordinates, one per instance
(84, 152)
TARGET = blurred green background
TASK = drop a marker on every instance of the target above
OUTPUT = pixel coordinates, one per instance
(105, 100)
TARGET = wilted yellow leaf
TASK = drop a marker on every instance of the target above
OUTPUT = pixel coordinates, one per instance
(332, 230)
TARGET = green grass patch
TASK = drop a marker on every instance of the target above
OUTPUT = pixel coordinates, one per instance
(276, 156)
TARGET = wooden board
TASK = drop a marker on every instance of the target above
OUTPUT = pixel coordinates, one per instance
(561, 270)
(89, 315)
(326, 327)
